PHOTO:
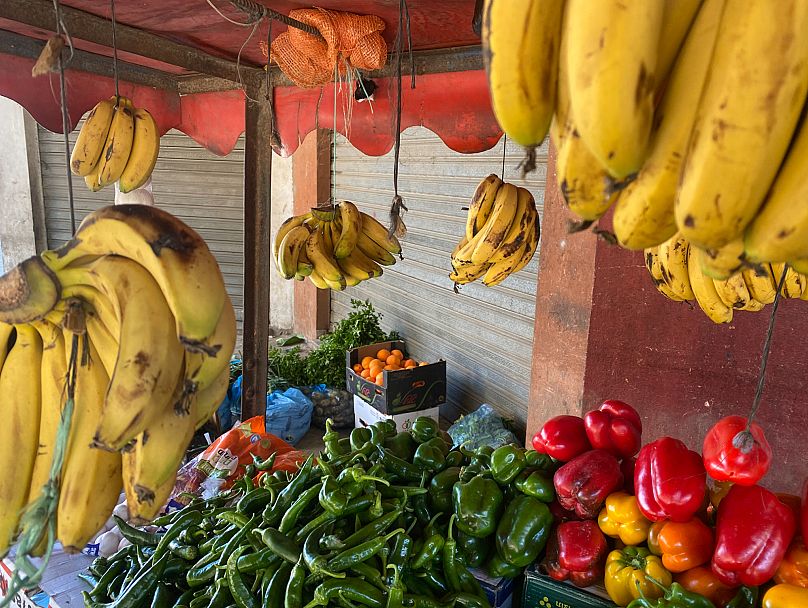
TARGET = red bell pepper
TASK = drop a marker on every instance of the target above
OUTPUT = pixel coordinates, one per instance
(576, 551)
(669, 480)
(616, 427)
(583, 484)
(562, 437)
(731, 453)
(753, 532)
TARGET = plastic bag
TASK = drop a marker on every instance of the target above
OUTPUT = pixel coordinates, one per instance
(224, 461)
(481, 427)
(334, 403)
(289, 414)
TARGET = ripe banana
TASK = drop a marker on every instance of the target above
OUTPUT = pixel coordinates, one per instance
(289, 254)
(202, 369)
(800, 266)
(520, 230)
(722, 263)
(677, 21)
(304, 267)
(760, 283)
(351, 225)
(91, 478)
(488, 240)
(376, 231)
(93, 178)
(374, 250)
(53, 375)
(142, 512)
(520, 51)
(118, 144)
(469, 273)
(91, 139)
(149, 357)
(175, 255)
(285, 228)
(359, 266)
(779, 232)
(704, 290)
(6, 333)
(793, 284)
(643, 214)
(611, 62)
(502, 270)
(745, 120)
(658, 276)
(586, 186)
(481, 204)
(21, 390)
(317, 280)
(143, 157)
(735, 294)
(673, 255)
(321, 258)
(105, 343)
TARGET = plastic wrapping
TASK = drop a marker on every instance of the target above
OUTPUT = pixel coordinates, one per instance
(481, 427)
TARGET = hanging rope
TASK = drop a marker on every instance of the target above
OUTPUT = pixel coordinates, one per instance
(504, 148)
(333, 197)
(114, 47)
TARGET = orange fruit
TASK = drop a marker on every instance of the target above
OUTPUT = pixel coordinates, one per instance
(383, 354)
(422, 363)
(391, 368)
(376, 364)
(393, 360)
(358, 368)
(397, 353)
(365, 374)
(366, 362)
(380, 379)
(408, 363)
(410, 366)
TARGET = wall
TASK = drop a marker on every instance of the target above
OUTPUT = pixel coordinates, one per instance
(281, 294)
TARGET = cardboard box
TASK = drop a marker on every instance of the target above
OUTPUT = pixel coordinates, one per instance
(541, 591)
(405, 390)
(500, 591)
(60, 586)
(366, 415)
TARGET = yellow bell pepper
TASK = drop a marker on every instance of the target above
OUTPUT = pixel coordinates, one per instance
(627, 575)
(785, 596)
(621, 518)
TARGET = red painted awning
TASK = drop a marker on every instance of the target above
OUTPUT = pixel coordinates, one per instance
(454, 105)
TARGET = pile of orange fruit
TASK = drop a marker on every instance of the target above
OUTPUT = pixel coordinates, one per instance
(373, 368)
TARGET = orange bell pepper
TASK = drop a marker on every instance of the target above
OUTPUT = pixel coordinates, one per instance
(701, 580)
(653, 537)
(793, 569)
(685, 545)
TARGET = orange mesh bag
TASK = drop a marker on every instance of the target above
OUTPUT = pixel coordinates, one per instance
(309, 61)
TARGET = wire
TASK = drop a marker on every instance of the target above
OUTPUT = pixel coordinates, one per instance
(66, 126)
(114, 49)
(334, 140)
(239, 23)
(504, 147)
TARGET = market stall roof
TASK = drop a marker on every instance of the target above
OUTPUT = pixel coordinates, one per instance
(180, 59)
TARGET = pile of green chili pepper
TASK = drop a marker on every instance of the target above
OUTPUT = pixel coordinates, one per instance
(379, 519)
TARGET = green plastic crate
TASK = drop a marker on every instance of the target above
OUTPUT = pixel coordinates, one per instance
(541, 591)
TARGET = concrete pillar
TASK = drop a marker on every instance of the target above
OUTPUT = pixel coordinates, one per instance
(22, 226)
(281, 296)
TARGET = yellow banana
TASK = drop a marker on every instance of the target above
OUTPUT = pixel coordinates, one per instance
(91, 139)
(149, 355)
(676, 24)
(469, 273)
(643, 214)
(175, 255)
(376, 231)
(285, 228)
(761, 286)
(359, 266)
(304, 267)
(792, 286)
(779, 232)
(735, 294)
(92, 179)
(481, 203)
(520, 51)
(52, 393)
(520, 230)
(91, 478)
(611, 62)
(98, 302)
(337, 285)
(374, 250)
(704, 290)
(351, 226)
(673, 255)
(321, 258)
(800, 266)
(745, 120)
(722, 263)
(499, 223)
(6, 331)
(143, 511)
(29, 291)
(118, 145)
(291, 246)
(202, 369)
(143, 157)
(317, 280)
(658, 276)
(105, 343)
(20, 387)
(502, 270)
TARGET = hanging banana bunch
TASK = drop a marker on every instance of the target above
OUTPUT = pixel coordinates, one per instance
(502, 233)
(334, 247)
(156, 333)
(117, 143)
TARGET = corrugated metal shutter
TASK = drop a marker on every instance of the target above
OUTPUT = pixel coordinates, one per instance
(202, 189)
(485, 334)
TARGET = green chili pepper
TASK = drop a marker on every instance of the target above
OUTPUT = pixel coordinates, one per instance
(374, 528)
(289, 494)
(258, 560)
(315, 562)
(424, 428)
(276, 589)
(163, 597)
(395, 594)
(238, 589)
(186, 552)
(294, 589)
(331, 441)
(236, 540)
(351, 589)
(434, 581)
(746, 597)
(186, 520)
(185, 598)
(202, 571)
(398, 467)
(431, 548)
(221, 597)
(401, 550)
(370, 574)
(142, 587)
(281, 544)
(135, 535)
(357, 505)
(98, 566)
(289, 519)
(423, 601)
(266, 464)
(114, 571)
(359, 553)
(449, 559)
(254, 501)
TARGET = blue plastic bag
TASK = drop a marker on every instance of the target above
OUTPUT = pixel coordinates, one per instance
(289, 414)
(230, 410)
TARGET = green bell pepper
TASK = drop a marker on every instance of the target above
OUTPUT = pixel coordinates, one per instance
(429, 457)
(543, 462)
(359, 437)
(454, 458)
(401, 445)
(498, 567)
(535, 484)
(675, 596)
(507, 462)
(424, 428)
(747, 597)
(523, 531)
(478, 506)
(473, 551)
(440, 489)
